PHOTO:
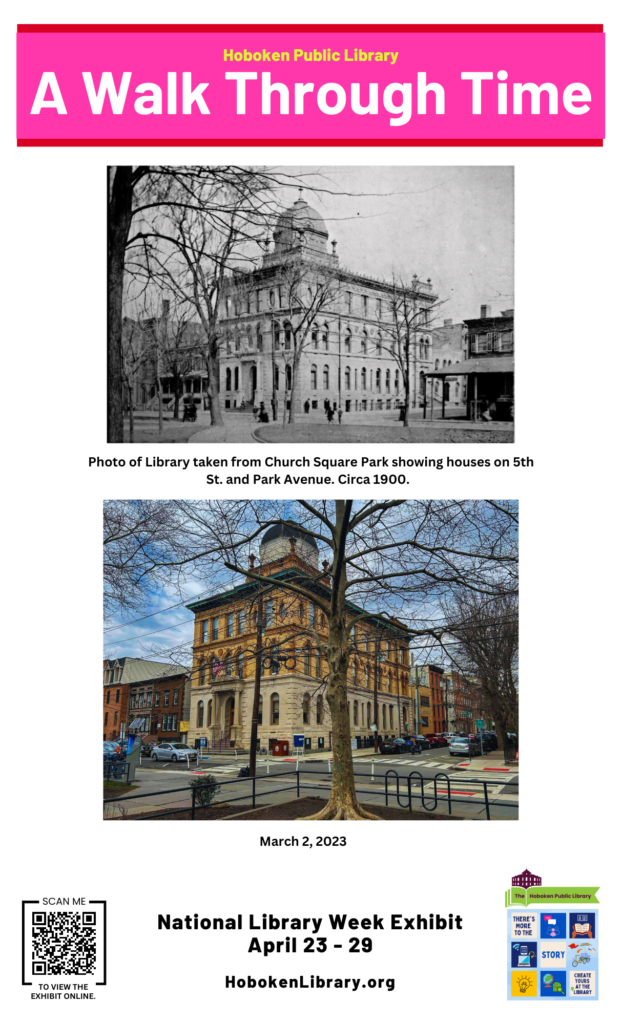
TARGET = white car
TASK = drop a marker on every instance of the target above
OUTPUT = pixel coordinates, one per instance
(462, 746)
(173, 752)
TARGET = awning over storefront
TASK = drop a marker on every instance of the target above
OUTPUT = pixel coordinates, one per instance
(487, 364)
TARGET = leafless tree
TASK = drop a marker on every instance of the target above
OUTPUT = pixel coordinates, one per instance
(485, 631)
(385, 560)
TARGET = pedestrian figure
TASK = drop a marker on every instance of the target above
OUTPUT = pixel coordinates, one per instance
(273, 404)
(307, 405)
(329, 413)
(339, 414)
(255, 412)
(242, 405)
(263, 415)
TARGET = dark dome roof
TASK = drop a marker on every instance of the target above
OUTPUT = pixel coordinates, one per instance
(287, 530)
(301, 216)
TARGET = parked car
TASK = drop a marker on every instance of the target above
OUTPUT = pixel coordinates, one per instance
(464, 746)
(395, 746)
(110, 751)
(173, 752)
(442, 739)
(423, 742)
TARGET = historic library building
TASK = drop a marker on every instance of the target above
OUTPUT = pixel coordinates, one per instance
(292, 700)
(341, 345)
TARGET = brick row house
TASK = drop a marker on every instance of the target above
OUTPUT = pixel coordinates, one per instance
(147, 698)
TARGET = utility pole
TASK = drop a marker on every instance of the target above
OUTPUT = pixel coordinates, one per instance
(252, 761)
(376, 696)
(397, 679)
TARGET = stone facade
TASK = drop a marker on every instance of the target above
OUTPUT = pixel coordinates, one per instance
(348, 356)
(292, 689)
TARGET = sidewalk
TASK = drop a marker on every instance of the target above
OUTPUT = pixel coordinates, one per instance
(237, 429)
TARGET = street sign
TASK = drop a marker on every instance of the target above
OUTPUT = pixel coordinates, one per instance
(299, 741)
(203, 741)
(374, 727)
(479, 723)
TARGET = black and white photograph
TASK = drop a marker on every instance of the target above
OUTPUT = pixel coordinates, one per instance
(310, 304)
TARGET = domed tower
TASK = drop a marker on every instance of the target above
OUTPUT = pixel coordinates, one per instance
(275, 544)
(300, 230)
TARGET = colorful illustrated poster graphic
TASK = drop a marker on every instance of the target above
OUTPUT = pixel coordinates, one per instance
(552, 954)
(553, 925)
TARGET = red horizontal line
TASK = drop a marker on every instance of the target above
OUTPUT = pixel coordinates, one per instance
(310, 28)
(290, 143)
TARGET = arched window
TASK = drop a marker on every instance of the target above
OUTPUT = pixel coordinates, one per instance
(282, 610)
(325, 378)
(260, 711)
(288, 377)
(228, 379)
(228, 347)
(238, 343)
(363, 347)
(240, 664)
(209, 712)
(301, 611)
(272, 297)
(305, 709)
(449, 362)
(356, 712)
(259, 339)
(276, 331)
(236, 379)
(391, 717)
(363, 379)
(387, 380)
(270, 612)
(274, 709)
(421, 380)
(444, 363)
(325, 337)
(319, 710)
(348, 340)
(378, 380)
(228, 665)
(397, 380)
(314, 377)
(307, 661)
(436, 364)
(200, 713)
(314, 336)
(202, 674)
(346, 378)
(379, 344)
(287, 327)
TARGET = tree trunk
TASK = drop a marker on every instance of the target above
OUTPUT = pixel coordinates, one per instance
(292, 417)
(131, 418)
(119, 219)
(213, 368)
(343, 803)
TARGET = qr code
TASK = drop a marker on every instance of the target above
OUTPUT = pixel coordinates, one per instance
(64, 942)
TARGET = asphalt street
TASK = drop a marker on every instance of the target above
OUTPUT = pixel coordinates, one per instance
(466, 778)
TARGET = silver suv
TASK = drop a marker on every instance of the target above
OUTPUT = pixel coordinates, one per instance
(173, 752)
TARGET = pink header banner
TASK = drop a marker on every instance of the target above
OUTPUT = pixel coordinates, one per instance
(81, 85)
